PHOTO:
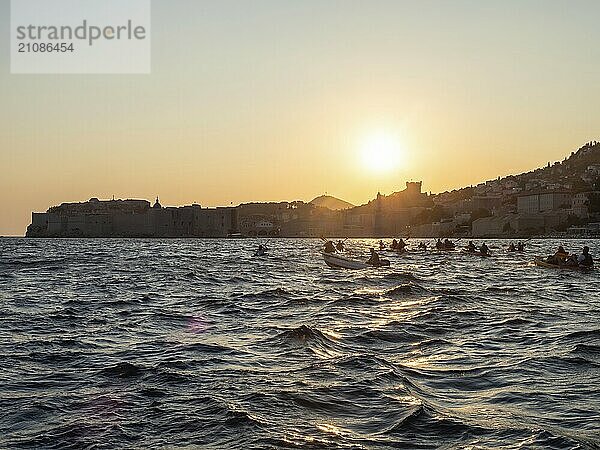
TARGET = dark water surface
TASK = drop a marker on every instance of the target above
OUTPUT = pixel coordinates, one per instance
(154, 343)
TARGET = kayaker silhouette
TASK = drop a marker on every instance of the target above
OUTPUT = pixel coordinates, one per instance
(585, 259)
(374, 259)
(329, 247)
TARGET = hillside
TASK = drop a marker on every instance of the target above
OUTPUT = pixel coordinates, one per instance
(327, 201)
(579, 172)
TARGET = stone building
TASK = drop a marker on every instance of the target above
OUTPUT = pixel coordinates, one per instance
(132, 218)
(542, 201)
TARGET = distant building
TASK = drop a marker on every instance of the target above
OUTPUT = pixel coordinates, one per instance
(543, 201)
(132, 218)
(518, 224)
(257, 225)
(579, 205)
(589, 230)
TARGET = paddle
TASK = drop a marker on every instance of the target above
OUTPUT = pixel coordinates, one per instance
(264, 244)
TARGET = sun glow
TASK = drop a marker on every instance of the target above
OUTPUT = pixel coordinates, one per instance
(382, 152)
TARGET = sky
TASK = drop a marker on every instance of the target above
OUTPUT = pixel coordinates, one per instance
(273, 100)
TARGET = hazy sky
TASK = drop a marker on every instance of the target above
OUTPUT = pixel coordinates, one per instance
(272, 100)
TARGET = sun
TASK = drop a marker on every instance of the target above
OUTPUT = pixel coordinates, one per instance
(382, 152)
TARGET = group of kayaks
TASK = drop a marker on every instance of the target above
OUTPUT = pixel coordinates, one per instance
(339, 259)
(336, 257)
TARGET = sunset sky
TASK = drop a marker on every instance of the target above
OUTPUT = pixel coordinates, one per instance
(284, 100)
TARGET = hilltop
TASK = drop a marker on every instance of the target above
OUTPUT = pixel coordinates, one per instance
(333, 203)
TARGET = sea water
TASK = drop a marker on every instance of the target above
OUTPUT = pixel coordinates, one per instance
(151, 343)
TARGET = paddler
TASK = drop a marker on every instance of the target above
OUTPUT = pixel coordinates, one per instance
(394, 245)
(422, 246)
(512, 248)
(561, 252)
(381, 245)
(401, 245)
(439, 244)
(329, 247)
(484, 249)
(559, 257)
(340, 246)
(448, 244)
(374, 259)
(471, 247)
(520, 247)
(585, 259)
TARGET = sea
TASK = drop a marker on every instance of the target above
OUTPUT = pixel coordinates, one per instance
(192, 343)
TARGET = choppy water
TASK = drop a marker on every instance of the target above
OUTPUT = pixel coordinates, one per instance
(151, 343)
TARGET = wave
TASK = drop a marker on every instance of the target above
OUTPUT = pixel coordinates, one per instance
(433, 343)
(377, 296)
(583, 334)
(587, 349)
(403, 276)
(269, 293)
(304, 334)
(410, 416)
(401, 336)
(516, 321)
(320, 343)
(201, 347)
(360, 297)
(365, 362)
(405, 289)
(123, 370)
(564, 363)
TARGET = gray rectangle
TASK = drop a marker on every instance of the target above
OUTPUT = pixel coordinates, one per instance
(80, 36)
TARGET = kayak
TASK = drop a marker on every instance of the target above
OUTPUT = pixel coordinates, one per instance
(337, 261)
(539, 261)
